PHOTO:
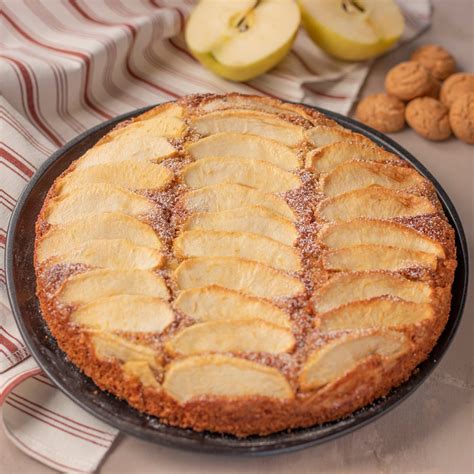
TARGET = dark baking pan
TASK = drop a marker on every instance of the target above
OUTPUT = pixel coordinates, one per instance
(81, 389)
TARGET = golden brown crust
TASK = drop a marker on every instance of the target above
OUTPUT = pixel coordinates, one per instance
(455, 86)
(247, 415)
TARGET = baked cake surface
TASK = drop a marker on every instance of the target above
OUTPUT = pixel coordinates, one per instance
(242, 265)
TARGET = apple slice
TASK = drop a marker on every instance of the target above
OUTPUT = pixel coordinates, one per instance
(344, 354)
(95, 199)
(112, 225)
(363, 232)
(135, 175)
(327, 157)
(251, 278)
(322, 135)
(200, 243)
(223, 376)
(374, 313)
(350, 287)
(356, 175)
(352, 30)
(249, 122)
(242, 39)
(116, 254)
(254, 173)
(255, 219)
(110, 346)
(250, 147)
(127, 313)
(141, 370)
(231, 336)
(226, 196)
(374, 202)
(212, 303)
(90, 286)
(377, 257)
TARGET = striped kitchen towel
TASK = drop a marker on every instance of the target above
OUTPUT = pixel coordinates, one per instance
(66, 65)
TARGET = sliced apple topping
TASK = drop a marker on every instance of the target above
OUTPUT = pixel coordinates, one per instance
(127, 313)
(223, 376)
(116, 253)
(254, 173)
(89, 286)
(329, 156)
(226, 196)
(377, 257)
(333, 360)
(322, 135)
(237, 274)
(111, 225)
(356, 175)
(350, 287)
(205, 243)
(94, 199)
(133, 175)
(238, 145)
(374, 202)
(142, 371)
(363, 232)
(212, 303)
(249, 122)
(111, 346)
(232, 336)
(374, 313)
(256, 220)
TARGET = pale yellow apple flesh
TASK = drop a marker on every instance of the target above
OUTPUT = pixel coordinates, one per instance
(242, 39)
(352, 30)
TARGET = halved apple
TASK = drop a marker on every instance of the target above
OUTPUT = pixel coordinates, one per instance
(89, 286)
(350, 287)
(224, 376)
(116, 253)
(94, 199)
(238, 274)
(111, 346)
(226, 196)
(212, 303)
(374, 202)
(327, 157)
(378, 312)
(242, 39)
(344, 354)
(249, 122)
(239, 145)
(206, 243)
(363, 232)
(377, 257)
(232, 336)
(110, 225)
(254, 173)
(127, 313)
(357, 175)
(255, 219)
(352, 30)
(135, 175)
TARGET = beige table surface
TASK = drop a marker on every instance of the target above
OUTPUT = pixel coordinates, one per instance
(432, 431)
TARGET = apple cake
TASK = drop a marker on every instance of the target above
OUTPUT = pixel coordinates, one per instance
(243, 265)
